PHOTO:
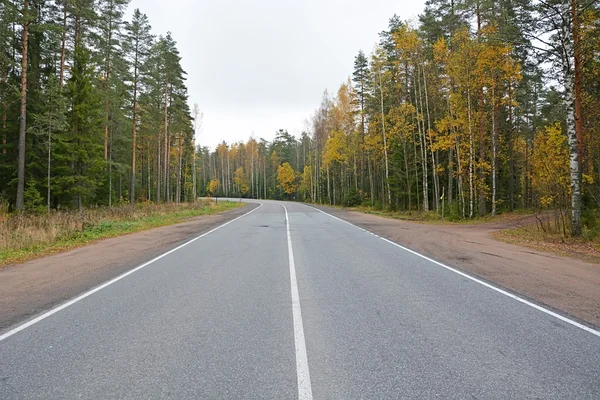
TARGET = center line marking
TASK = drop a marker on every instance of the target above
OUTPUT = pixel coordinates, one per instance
(304, 386)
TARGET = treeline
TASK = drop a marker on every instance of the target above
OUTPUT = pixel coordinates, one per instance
(93, 108)
(480, 107)
(483, 106)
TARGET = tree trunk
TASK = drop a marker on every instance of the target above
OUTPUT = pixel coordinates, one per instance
(452, 132)
(422, 142)
(570, 104)
(107, 82)
(481, 156)
(577, 83)
(178, 195)
(63, 45)
(194, 178)
(362, 146)
(166, 146)
(328, 187)
(23, 117)
(371, 182)
(168, 196)
(480, 173)
(471, 169)
(436, 182)
(333, 185)
(385, 152)
(574, 164)
(461, 189)
(158, 168)
(149, 175)
(450, 176)
(49, 164)
(228, 174)
(222, 174)
(407, 175)
(134, 125)
(511, 161)
(494, 150)
(252, 173)
(110, 186)
(204, 169)
(4, 109)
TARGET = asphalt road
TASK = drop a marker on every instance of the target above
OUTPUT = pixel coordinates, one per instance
(317, 308)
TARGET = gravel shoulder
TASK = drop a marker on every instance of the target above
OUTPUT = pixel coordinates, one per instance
(37, 285)
(569, 285)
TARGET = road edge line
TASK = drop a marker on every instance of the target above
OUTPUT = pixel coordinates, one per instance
(54, 310)
(302, 371)
(472, 278)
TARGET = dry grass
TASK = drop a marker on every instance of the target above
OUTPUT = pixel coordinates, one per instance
(434, 218)
(551, 233)
(24, 236)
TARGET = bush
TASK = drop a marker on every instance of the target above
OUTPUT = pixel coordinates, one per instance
(590, 224)
(30, 229)
(34, 202)
(351, 199)
(377, 205)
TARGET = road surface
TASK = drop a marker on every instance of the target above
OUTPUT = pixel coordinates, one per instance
(304, 306)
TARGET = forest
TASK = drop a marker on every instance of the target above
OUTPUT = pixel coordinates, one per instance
(476, 108)
(94, 108)
(479, 108)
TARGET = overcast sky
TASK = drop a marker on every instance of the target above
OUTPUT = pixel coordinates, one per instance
(258, 66)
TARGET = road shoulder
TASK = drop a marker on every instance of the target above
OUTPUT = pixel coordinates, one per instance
(38, 285)
(565, 284)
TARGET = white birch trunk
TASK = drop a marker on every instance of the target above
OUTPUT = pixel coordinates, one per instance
(574, 162)
(385, 152)
(494, 151)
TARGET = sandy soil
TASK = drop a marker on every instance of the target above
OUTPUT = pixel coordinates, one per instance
(565, 284)
(29, 288)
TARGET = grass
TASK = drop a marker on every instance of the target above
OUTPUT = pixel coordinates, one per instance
(549, 234)
(430, 217)
(27, 236)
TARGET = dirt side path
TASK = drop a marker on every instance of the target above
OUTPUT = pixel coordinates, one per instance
(29, 288)
(565, 284)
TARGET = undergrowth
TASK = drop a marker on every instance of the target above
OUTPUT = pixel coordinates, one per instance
(25, 236)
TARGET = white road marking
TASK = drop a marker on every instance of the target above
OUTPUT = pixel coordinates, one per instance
(304, 386)
(118, 278)
(497, 289)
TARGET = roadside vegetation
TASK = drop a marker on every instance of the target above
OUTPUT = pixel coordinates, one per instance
(550, 233)
(432, 216)
(464, 112)
(24, 236)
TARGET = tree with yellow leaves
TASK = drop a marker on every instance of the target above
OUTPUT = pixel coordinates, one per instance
(286, 176)
(213, 187)
(240, 181)
(496, 69)
(550, 176)
(306, 182)
(402, 127)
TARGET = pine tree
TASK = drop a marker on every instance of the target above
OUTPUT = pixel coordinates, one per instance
(110, 23)
(26, 20)
(49, 124)
(360, 76)
(81, 155)
(137, 45)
